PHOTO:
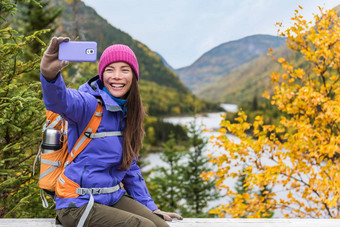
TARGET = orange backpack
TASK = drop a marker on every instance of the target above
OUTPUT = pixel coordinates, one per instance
(52, 179)
(52, 164)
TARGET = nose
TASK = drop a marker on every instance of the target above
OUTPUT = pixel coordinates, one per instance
(116, 75)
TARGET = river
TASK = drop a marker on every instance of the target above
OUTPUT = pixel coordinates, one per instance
(209, 121)
(212, 122)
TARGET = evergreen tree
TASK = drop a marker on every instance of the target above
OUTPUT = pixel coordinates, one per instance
(241, 189)
(243, 192)
(34, 16)
(194, 189)
(37, 15)
(158, 131)
(262, 195)
(166, 181)
(21, 118)
(254, 105)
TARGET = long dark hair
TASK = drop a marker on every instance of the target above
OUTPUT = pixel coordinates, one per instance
(134, 131)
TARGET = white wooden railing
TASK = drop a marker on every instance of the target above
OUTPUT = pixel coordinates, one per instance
(199, 222)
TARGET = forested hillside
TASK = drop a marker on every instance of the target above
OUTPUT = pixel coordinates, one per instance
(25, 29)
(248, 81)
(158, 82)
(246, 75)
(219, 61)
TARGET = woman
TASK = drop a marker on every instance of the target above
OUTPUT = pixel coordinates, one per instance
(109, 161)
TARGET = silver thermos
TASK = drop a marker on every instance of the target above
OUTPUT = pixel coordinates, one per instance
(51, 141)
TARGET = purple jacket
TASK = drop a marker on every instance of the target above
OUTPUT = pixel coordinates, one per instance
(97, 166)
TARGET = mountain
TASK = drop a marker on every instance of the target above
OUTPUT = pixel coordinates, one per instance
(165, 62)
(161, 90)
(222, 59)
(250, 79)
(337, 9)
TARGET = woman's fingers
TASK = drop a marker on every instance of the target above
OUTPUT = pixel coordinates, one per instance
(174, 215)
(167, 217)
(54, 44)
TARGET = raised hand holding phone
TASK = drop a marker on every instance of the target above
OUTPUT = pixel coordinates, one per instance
(50, 64)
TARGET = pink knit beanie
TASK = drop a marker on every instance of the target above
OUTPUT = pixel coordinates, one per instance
(116, 53)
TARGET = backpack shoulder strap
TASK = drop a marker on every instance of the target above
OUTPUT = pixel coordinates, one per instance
(53, 120)
(84, 140)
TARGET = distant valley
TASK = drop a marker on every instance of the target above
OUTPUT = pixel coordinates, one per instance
(215, 72)
(238, 71)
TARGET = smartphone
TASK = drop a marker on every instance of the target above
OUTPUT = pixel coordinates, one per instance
(78, 51)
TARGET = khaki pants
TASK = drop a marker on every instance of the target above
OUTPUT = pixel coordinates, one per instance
(126, 212)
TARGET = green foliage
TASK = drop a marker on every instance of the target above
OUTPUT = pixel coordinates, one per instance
(258, 106)
(158, 100)
(93, 27)
(165, 185)
(158, 132)
(7, 8)
(242, 188)
(263, 195)
(162, 91)
(180, 187)
(194, 189)
(21, 117)
(240, 85)
(214, 66)
(162, 100)
(34, 16)
(22, 109)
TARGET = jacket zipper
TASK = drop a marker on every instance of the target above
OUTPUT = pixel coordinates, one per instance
(82, 174)
(121, 123)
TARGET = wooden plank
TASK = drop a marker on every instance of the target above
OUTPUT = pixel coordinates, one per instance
(198, 222)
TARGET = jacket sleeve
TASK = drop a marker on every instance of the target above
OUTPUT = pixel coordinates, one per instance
(135, 186)
(67, 102)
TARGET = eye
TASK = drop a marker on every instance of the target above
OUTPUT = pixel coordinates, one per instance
(126, 70)
(108, 69)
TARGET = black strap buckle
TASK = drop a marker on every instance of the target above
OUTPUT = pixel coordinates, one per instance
(96, 191)
(88, 134)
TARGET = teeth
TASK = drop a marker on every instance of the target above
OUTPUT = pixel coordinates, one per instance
(117, 86)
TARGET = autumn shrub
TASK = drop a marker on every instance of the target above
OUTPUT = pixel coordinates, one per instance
(298, 158)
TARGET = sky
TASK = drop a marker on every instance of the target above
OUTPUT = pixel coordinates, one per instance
(183, 30)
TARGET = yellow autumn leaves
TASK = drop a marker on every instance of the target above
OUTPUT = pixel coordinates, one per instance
(298, 159)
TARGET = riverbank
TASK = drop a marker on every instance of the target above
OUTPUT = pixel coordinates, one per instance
(210, 121)
(226, 107)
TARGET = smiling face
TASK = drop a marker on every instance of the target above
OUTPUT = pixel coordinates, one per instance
(117, 78)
